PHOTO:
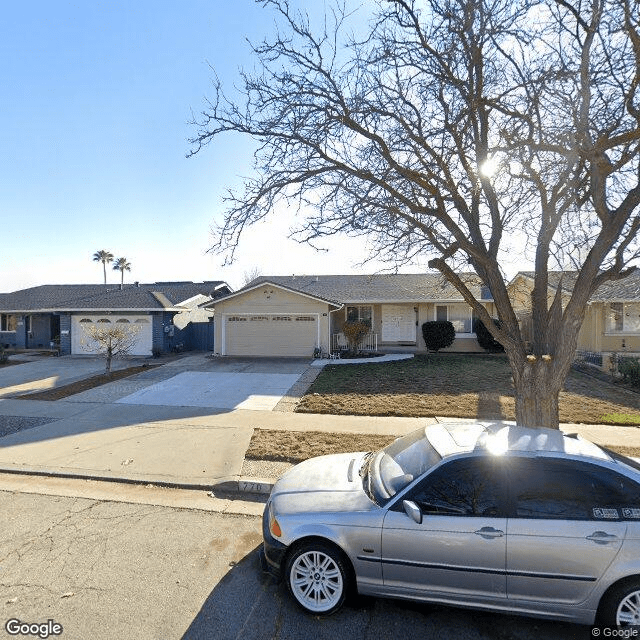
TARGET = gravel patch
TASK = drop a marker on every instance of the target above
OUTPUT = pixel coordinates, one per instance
(13, 424)
(264, 468)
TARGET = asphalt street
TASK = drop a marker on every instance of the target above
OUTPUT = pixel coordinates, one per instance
(114, 570)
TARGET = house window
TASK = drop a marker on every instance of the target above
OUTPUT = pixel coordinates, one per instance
(360, 314)
(7, 322)
(459, 315)
(624, 317)
(27, 324)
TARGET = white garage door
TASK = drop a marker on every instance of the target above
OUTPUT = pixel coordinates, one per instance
(139, 326)
(271, 335)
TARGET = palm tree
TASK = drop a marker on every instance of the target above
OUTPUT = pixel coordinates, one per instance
(121, 265)
(104, 257)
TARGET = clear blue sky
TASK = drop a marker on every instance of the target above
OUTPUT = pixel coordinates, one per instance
(96, 99)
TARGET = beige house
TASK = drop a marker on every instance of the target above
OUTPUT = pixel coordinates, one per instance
(612, 321)
(294, 315)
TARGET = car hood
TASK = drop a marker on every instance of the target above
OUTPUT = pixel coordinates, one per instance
(326, 483)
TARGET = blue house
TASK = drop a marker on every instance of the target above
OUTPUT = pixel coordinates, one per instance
(166, 315)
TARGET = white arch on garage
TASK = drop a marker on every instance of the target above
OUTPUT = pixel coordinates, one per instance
(81, 344)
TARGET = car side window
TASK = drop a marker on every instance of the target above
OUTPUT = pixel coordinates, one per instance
(463, 487)
(570, 490)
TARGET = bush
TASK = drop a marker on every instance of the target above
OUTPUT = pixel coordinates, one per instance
(629, 369)
(438, 334)
(354, 332)
(3, 355)
(485, 339)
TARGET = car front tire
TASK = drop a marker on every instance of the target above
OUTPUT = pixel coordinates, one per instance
(317, 577)
(622, 606)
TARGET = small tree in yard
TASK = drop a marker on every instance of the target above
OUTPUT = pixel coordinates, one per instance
(438, 334)
(113, 341)
(355, 332)
(458, 132)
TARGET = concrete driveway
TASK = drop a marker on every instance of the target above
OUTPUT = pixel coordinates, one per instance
(48, 372)
(234, 383)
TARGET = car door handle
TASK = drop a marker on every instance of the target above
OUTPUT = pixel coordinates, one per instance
(489, 532)
(602, 537)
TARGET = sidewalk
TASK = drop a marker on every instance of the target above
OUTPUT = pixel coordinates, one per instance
(188, 447)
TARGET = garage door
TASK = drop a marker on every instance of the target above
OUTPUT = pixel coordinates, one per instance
(293, 335)
(139, 326)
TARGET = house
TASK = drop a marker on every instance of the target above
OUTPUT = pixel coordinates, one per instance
(612, 320)
(293, 315)
(165, 314)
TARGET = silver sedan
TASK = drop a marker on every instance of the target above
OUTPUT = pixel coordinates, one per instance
(525, 521)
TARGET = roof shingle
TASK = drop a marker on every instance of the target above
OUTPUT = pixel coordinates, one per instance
(68, 297)
(396, 287)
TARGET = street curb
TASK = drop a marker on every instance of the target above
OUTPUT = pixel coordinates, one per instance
(244, 484)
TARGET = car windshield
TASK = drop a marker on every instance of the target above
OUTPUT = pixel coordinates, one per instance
(391, 469)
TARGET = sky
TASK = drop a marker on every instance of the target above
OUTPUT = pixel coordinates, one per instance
(97, 96)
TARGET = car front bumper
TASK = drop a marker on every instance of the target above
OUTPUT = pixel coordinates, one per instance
(272, 551)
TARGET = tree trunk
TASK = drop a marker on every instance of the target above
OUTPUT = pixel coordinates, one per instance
(108, 358)
(537, 389)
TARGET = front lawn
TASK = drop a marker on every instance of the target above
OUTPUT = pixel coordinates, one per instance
(460, 386)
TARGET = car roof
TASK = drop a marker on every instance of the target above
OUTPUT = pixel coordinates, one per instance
(503, 438)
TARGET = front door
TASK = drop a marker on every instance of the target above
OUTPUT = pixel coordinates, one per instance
(459, 547)
(398, 323)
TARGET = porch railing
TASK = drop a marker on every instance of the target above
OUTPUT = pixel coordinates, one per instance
(368, 343)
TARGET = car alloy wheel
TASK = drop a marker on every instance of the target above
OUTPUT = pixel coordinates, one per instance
(628, 612)
(317, 578)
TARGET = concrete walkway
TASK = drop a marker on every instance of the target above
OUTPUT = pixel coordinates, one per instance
(92, 435)
(183, 446)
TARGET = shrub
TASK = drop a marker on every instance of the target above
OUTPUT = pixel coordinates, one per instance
(629, 369)
(156, 352)
(3, 355)
(485, 339)
(438, 334)
(354, 332)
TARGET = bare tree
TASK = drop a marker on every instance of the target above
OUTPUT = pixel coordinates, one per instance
(112, 340)
(104, 257)
(463, 130)
(251, 275)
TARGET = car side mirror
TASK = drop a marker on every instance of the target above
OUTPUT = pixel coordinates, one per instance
(412, 510)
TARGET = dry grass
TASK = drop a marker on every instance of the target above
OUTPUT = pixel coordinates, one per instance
(462, 386)
(296, 446)
(84, 385)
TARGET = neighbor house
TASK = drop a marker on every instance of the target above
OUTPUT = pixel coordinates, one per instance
(166, 315)
(294, 315)
(612, 320)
